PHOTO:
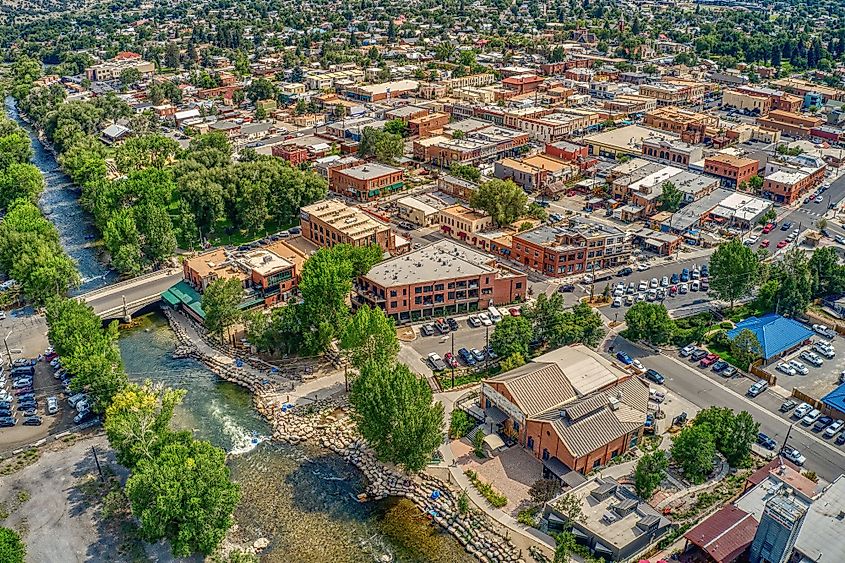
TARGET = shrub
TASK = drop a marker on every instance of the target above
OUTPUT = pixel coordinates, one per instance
(478, 444)
(494, 497)
(459, 424)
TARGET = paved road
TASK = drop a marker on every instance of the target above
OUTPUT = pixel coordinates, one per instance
(109, 298)
(823, 457)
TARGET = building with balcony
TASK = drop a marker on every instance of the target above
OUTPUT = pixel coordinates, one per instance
(582, 246)
(790, 123)
(331, 221)
(690, 126)
(439, 279)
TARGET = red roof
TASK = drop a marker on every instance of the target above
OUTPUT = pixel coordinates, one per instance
(124, 55)
(725, 535)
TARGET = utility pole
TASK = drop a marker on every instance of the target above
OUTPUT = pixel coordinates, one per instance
(452, 360)
(6, 344)
(785, 440)
(486, 347)
(97, 461)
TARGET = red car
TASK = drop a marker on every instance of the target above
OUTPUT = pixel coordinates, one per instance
(708, 360)
(451, 360)
(765, 243)
(514, 312)
(782, 243)
(768, 228)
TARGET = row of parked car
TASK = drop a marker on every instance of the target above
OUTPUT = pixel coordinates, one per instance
(468, 357)
(17, 394)
(707, 359)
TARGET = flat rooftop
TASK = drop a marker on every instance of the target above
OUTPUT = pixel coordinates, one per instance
(347, 219)
(442, 260)
(368, 171)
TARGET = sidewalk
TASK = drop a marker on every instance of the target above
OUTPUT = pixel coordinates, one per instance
(522, 536)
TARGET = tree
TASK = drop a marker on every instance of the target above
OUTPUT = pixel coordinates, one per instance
(650, 471)
(746, 348)
(503, 200)
(649, 322)
(795, 284)
(565, 545)
(768, 217)
(171, 55)
(511, 337)
(511, 362)
(544, 490)
(20, 181)
(756, 184)
(734, 271)
(732, 433)
(220, 302)
(158, 241)
(129, 76)
(184, 495)
(261, 89)
(395, 413)
(671, 197)
(15, 146)
(370, 335)
(828, 277)
(396, 126)
(693, 450)
(137, 421)
(385, 147)
(570, 507)
(123, 241)
(465, 171)
(12, 548)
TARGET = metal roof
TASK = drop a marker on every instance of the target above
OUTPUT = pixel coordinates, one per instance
(775, 333)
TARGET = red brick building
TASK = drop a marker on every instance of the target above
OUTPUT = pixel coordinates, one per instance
(733, 170)
(366, 182)
(570, 406)
(330, 222)
(522, 83)
(439, 279)
(294, 154)
(426, 125)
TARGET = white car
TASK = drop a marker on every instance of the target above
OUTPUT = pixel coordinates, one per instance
(754, 238)
(642, 266)
(683, 288)
(786, 368)
(824, 331)
(812, 358)
(656, 396)
(799, 367)
(801, 410)
(695, 285)
(588, 278)
(632, 288)
(617, 301)
(831, 430)
(687, 350)
(485, 319)
(825, 350)
(811, 417)
(664, 281)
(52, 405)
(618, 292)
(643, 286)
(637, 365)
(640, 297)
(652, 295)
(629, 300)
(794, 456)
(654, 283)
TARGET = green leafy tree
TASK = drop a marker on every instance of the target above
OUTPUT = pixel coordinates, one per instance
(650, 471)
(465, 171)
(137, 421)
(732, 433)
(185, 496)
(395, 413)
(220, 303)
(649, 322)
(734, 270)
(828, 276)
(129, 76)
(746, 348)
(15, 146)
(693, 450)
(671, 197)
(261, 89)
(12, 548)
(511, 362)
(20, 181)
(370, 335)
(565, 546)
(795, 283)
(511, 336)
(503, 200)
(385, 147)
(397, 127)
(544, 490)
(84, 161)
(158, 240)
(124, 242)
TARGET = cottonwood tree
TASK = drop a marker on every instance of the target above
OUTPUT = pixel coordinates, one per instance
(512, 336)
(220, 302)
(693, 450)
(370, 335)
(734, 270)
(650, 471)
(503, 200)
(395, 413)
(649, 322)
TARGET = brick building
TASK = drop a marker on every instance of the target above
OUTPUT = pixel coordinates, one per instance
(689, 125)
(523, 83)
(789, 123)
(366, 182)
(330, 222)
(571, 408)
(733, 170)
(442, 278)
(426, 125)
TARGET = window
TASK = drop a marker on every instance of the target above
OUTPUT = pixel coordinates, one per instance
(393, 293)
(546, 454)
(438, 287)
(417, 289)
(518, 285)
(531, 442)
(417, 300)
(596, 463)
(393, 304)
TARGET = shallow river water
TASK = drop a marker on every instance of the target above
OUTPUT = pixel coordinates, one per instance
(300, 498)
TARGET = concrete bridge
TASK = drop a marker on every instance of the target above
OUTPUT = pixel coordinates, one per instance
(122, 299)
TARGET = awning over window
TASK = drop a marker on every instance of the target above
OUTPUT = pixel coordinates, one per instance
(495, 414)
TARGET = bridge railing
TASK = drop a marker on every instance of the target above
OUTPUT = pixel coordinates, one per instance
(115, 286)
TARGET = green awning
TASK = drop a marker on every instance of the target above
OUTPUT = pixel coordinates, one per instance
(183, 293)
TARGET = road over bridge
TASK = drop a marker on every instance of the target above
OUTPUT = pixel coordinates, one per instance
(127, 297)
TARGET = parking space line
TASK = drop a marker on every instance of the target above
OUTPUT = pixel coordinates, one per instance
(797, 425)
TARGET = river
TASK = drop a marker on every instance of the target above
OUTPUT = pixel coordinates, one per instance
(60, 204)
(301, 498)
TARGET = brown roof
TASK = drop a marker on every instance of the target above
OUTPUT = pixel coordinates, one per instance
(725, 535)
(536, 387)
(783, 470)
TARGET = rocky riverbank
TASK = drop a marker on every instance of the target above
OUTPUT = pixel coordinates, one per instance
(328, 423)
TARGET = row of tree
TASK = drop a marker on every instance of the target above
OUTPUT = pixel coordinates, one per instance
(546, 322)
(30, 251)
(179, 488)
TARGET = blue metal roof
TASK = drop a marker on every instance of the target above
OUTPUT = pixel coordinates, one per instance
(775, 333)
(836, 398)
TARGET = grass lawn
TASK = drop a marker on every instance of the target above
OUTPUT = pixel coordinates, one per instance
(445, 377)
(725, 353)
(236, 238)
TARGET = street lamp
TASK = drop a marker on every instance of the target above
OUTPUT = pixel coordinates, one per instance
(6, 344)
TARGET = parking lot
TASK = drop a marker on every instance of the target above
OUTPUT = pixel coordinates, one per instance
(819, 380)
(691, 299)
(416, 352)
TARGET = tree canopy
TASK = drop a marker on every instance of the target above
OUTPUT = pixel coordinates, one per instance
(12, 548)
(220, 302)
(693, 449)
(396, 414)
(649, 322)
(512, 336)
(734, 271)
(503, 200)
(650, 471)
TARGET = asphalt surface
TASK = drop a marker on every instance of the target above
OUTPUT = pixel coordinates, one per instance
(110, 297)
(823, 456)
